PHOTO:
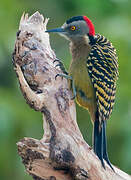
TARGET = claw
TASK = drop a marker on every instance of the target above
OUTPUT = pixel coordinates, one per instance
(56, 60)
(63, 75)
(58, 65)
(56, 76)
(73, 97)
(62, 68)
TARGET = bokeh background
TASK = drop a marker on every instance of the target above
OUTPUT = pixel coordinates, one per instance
(111, 18)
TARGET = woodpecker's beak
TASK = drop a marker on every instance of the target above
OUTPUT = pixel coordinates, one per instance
(57, 30)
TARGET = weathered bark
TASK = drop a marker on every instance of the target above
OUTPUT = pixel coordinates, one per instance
(62, 153)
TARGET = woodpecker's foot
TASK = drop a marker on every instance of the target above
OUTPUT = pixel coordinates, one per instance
(63, 76)
(61, 65)
(72, 83)
(73, 89)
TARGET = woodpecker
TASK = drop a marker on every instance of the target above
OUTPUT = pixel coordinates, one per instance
(92, 75)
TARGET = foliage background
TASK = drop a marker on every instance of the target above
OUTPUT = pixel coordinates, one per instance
(17, 120)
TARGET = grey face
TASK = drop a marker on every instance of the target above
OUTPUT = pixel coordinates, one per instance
(74, 30)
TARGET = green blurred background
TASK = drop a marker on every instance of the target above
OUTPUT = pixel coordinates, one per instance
(111, 18)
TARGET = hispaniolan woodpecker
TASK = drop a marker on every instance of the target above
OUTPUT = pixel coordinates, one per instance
(93, 71)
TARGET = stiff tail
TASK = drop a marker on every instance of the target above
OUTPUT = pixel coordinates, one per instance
(100, 146)
(98, 141)
(105, 154)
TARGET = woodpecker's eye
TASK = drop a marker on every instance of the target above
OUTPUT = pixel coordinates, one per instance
(73, 28)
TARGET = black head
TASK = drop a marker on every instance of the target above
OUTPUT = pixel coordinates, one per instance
(75, 28)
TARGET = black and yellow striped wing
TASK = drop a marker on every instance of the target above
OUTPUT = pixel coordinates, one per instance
(102, 67)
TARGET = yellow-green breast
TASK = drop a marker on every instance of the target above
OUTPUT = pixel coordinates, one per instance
(85, 94)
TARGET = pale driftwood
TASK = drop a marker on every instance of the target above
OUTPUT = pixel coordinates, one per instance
(62, 153)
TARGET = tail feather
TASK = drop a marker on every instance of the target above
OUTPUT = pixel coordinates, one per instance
(99, 143)
(105, 154)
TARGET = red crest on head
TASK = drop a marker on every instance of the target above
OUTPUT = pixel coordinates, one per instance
(90, 25)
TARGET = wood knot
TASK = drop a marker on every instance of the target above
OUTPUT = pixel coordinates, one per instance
(63, 157)
(62, 100)
(36, 177)
(52, 178)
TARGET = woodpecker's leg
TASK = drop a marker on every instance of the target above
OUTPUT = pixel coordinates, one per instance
(98, 141)
(105, 154)
(72, 83)
(73, 89)
(64, 76)
(61, 65)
